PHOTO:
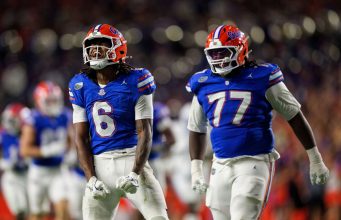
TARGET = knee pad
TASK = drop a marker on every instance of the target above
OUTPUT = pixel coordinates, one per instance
(245, 207)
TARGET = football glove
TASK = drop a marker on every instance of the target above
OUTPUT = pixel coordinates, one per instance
(128, 183)
(198, 181)
(52, 149)
(319, 173)
(97, 188)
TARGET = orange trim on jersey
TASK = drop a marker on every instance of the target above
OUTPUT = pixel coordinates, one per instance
(144, 76)
(268, 186)
(146, 87)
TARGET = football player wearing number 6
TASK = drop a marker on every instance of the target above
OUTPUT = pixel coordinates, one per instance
(112, 102)
(237, 96)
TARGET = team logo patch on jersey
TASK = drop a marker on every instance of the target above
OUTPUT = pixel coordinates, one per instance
(202, 79)
(101, 92)
(227, 82)
(78, 86)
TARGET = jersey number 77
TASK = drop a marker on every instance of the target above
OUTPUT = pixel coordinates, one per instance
(220, 99)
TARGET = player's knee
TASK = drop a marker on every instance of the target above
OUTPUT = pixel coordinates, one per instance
(220, 214)
(245, 207)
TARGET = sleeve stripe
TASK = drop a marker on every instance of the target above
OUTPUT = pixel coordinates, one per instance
(275, 75)
(275, 71)
(145, 82)
(146, 87)
(277, 80)
(144, 76)
(188, 88)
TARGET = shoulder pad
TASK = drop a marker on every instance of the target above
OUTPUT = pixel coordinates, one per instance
(273, 72)
(75, 87)
(144, 81)
(195, 81)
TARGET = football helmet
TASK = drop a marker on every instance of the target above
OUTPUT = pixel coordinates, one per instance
(104, 45)
(48, 98)
(226, 49)
(12, 117)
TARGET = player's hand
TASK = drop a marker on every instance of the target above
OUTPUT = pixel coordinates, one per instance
(97, 188)
(319, 173)
(52, 149)
(199, 184)
(128, 183)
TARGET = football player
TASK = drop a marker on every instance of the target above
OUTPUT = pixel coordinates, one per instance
(44, 139)
(237, 96)
(112, 102)
(163, 139)
(14, 177)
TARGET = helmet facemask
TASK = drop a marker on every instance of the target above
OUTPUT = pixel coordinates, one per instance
(99, 52)
(51, 105)
(11, 123)
(48, 98)
(222, 59)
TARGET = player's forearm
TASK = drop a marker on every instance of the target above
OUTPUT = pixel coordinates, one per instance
(303, 131)
(85, 157)
(197, 145)
(143, 146)
(30, 151)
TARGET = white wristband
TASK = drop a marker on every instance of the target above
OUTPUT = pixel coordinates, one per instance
(314, 155)
(196, 166)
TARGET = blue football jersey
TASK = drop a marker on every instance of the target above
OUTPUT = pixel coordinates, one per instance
(10, 150)
(237, 109)
(50, 129)
(161, 112)
(111, 110)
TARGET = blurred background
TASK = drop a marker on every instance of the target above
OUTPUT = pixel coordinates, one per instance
(42, 40)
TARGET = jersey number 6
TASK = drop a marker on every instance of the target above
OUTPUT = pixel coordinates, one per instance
(104, 124)
(220, 98)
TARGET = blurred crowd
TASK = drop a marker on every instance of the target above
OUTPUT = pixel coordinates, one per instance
(42, 40)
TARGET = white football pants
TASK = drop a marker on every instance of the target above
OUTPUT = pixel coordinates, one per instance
(239, 188)
(148, 199)
(13, 186)
(45, 184)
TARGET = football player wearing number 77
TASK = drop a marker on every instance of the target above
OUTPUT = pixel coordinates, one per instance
(237, 96)
(112, 115)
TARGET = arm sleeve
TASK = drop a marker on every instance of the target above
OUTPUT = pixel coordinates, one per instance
(197, 120)
(282, 100)
(144, 107)
(79, 114)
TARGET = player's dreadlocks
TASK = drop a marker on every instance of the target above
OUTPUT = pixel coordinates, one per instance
(120, 68)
